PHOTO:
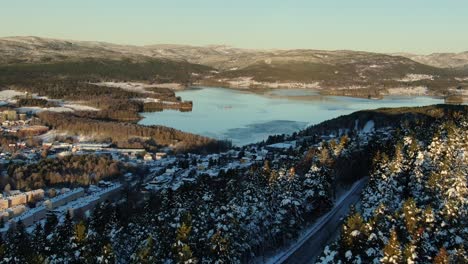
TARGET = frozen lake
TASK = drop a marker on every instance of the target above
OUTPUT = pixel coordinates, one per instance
(245, 117)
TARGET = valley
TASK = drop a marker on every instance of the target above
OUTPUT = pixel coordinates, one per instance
(181, 154)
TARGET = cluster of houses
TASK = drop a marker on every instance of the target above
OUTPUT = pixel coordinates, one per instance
(175, 170)
(76, 202)
(65, 149)
(11, 115)
(13, 203)
(14, 122)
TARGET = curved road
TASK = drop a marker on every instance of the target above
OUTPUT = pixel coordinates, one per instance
(310, 246)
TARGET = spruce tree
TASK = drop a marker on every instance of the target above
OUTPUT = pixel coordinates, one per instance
(19, 243)
(392, 250)
(145, 254)
(39, 244)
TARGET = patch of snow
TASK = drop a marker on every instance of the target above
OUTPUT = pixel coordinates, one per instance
(35, 109)
(369, 127)
(139, 87)
(415, 90)
(9, 94)
(246, 82)
(411, 77)
(60, 109)
(79, 107)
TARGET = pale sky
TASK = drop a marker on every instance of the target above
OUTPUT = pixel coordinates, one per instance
(417, 26)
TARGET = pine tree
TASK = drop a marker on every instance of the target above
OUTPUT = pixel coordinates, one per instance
(353, 236)
(50, 224)
(38, 244)
(182, 251)
(19, 245)
(80, 232)
(146, 252)
(62, 240)
(220, 248)
(409, 254)
(411, 213)
(392, 251)
(79, 241)
(107, 255)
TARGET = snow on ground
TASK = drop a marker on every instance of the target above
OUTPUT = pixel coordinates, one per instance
(9, 94)
(129, 86)
(68, 107)
(172, 86)
(416, 90)
(463, 92)
(51, 135)
(79, 107)
(246, 82)
(350, 87)
(36, 109)
(369, 127)
(139, 87)
(416, 77)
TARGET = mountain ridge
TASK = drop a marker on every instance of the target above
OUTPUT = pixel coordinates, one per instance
(50, 46)
(339, 72)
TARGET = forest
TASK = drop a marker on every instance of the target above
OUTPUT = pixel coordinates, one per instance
(68, 171)
(128, 135)
(414, 209)
(96, 69)
(22, 102)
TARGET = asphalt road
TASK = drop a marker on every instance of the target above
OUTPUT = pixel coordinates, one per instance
(311, 245)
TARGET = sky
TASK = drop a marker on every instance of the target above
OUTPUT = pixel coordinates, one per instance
(416, 26)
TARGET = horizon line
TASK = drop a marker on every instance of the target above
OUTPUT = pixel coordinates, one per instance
(230, 46)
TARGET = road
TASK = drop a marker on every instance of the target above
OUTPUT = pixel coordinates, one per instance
(310, 246)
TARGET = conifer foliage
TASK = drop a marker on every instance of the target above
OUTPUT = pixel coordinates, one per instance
(414, 209)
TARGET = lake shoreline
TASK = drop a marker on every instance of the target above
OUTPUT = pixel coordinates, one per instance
(246, 117)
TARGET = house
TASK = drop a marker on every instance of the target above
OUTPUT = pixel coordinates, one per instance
(17, 199)
(34, 195)
(160, 155)
(148, 157)
(4, 204)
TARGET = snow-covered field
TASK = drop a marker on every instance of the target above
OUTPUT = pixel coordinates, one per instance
(416, 77)
(351, 87)
(9, 94)
(416, 90)
(246, 82)
(172, 86)
(36, 109)
(79, 107)
(67, 107)
(140, 87)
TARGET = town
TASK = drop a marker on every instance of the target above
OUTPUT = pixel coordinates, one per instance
(164, 168)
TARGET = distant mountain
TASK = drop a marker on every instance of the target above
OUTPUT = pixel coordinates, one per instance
(344, 72)
(441, 60)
